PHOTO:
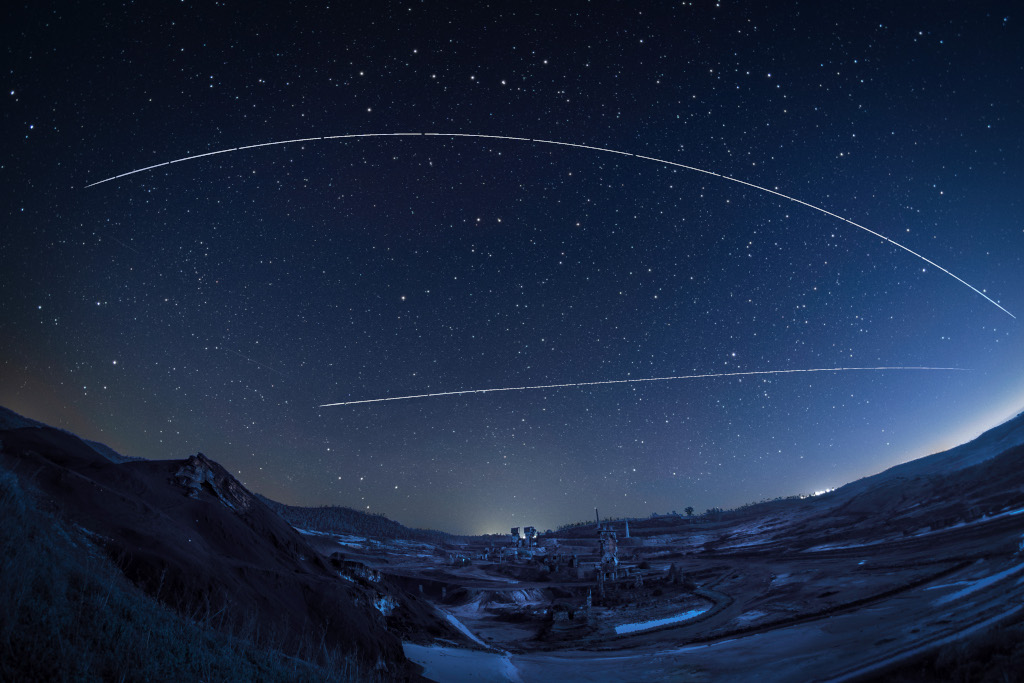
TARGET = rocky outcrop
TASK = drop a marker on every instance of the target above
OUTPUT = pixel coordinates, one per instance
(199, 474)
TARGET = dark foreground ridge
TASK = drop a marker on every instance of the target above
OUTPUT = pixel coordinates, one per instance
(172, 547)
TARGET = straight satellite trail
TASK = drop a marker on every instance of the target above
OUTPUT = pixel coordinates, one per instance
(572, 144)
(629, 381)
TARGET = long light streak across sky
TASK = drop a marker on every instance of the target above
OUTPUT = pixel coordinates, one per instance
(629, 381)
(572, 144)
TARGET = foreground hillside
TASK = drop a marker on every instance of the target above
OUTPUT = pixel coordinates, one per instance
(121, 554)
(68, 614)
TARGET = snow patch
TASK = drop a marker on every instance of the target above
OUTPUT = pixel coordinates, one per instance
(749, 617)
(978, 585)
(946, 585)
(455, 664)
(655, 623)
(465, 631)
(845, 546)
(385, 604)
(340, 539)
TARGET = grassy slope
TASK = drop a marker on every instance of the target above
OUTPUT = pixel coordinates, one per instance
(67, 613)
(996, 656)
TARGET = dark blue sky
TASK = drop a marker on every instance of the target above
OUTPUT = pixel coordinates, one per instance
(214, 304)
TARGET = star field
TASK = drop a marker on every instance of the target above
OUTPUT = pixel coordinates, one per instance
(213, 305)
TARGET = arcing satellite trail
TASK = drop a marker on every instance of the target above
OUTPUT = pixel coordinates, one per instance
(354, 226)
(629, 381)
(571, 144)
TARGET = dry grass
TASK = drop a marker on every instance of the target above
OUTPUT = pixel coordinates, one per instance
(68, 614)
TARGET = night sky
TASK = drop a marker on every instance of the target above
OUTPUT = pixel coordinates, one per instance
(213, 305)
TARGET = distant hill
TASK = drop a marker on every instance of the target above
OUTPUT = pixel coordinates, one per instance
(343, 520)
(981, 477)
(985, 447)
(12, 420)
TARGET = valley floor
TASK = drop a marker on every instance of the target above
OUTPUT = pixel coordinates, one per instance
(761, 609)
(843, 646)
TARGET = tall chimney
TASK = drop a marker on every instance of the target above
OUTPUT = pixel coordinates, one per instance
(598, 518)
